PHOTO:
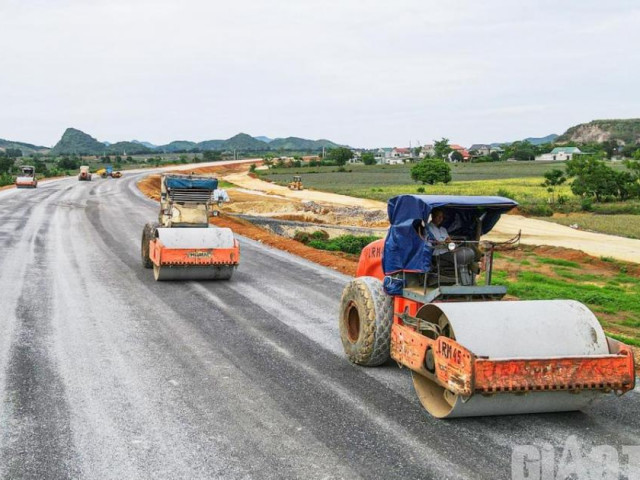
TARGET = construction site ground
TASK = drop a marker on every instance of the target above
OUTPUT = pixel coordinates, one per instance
(106, 373)
(553, 263)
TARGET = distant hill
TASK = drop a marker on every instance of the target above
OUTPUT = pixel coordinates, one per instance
(300, 144)
(533, 140)
(146, 144)
(263, 139)
(623, 130)
(78, 142)
(211, 145)
(540, 140)
(242, 141)
(178, 146)
(26, 148)
(128, 148)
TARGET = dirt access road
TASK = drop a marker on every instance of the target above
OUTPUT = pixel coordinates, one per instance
(534, 232)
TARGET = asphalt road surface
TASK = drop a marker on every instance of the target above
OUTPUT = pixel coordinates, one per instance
(105, 373)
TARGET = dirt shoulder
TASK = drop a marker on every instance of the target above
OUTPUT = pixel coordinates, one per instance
(244, 180)
(534, 232)
(540, 232)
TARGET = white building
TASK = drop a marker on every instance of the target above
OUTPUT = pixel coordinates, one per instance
(559, 154)
(428, 150)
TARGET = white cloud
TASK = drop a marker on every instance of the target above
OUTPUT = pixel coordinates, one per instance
(364, 73)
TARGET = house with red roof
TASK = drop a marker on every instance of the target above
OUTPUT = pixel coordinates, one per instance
(466, 156)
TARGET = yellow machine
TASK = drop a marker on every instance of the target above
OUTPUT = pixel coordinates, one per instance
(296, 184)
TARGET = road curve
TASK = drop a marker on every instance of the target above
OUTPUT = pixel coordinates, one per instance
(105, 373)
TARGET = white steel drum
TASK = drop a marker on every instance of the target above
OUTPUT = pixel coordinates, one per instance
(499, 330)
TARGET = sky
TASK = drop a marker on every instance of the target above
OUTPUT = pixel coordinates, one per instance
(365, 73)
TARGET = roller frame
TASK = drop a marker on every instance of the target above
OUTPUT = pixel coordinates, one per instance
(200, 257)
(518, 367)
(463, 373)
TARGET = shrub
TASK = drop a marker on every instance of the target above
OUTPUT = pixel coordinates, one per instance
(586, 204)
(503, 192)
(6, 179)
(345, 243)
(420, 190)
(302, 237)
(320, 235)
(431, 171)
(536, 209)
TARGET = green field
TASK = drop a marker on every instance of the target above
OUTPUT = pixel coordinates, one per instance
(612, 294)
(380, 182)
(622, 225)
(384, 175)
(520, 181)
(517, 180)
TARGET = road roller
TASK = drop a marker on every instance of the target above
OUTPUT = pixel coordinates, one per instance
(423, 296)
(27, 179)
(182, 245)
(85, 174)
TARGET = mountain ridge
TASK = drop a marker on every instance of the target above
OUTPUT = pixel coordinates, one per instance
(76, 141)
(24, 147)
(620, 130)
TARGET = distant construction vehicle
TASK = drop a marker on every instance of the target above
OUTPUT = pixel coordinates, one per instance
(108, 171)
(27, 179)
(85, 174)
(182, 245)
(416, 300)
(296, 184)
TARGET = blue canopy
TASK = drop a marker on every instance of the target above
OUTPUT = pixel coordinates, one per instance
(404, 250)
(192, 182)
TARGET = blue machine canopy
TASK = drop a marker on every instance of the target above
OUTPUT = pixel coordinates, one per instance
(404, 250)
(192, 182)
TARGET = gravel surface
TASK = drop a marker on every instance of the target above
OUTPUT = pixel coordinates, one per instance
(105, 373)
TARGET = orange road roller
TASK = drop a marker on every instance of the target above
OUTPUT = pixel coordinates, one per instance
(182, 245)
(27, 179)
(417, 299)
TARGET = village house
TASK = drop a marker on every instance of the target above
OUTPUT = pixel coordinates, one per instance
(357, 157)
(479, 150)
(466, 156)
(427, 151)
(559, 154)
(399, 152)
(382, 154)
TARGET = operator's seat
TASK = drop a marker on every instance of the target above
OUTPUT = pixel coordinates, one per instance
(443, 268)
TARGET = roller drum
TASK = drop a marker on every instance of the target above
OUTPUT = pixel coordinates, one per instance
(196, 238)
(192, 272)
(502, 330)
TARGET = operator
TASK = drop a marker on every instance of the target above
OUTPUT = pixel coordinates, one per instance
(463, 255)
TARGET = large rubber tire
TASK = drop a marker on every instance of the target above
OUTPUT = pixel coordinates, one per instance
(148, 234)
(366, 315)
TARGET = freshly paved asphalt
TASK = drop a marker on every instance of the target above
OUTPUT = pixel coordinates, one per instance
(105, 373)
